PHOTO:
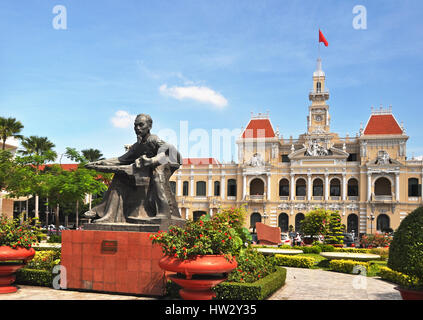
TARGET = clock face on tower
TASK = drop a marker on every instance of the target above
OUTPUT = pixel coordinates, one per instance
(318, 118)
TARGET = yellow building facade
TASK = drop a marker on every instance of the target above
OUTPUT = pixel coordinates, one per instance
(366, 178)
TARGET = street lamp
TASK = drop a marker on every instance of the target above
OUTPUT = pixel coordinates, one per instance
(371, 218)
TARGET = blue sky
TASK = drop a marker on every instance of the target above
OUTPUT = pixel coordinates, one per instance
(235, 57)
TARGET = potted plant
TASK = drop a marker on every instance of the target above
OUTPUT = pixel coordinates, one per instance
(202, 252)
(16, 240)
(406, 255)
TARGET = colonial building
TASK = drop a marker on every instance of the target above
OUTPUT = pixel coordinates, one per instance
(367, 178)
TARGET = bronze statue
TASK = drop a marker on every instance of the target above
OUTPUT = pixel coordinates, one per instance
(140, 190)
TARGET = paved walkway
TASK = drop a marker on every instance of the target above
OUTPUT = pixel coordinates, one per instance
(316, 284)
(301, 284)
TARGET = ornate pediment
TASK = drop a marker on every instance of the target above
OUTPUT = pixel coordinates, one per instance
(383, 160)
(256, 161)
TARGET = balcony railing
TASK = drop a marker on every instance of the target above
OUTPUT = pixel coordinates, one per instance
(336, 198)
(318, 198)
(257, 197)
(300, 197)
(284, 198)
(353, 198)
(382, 197)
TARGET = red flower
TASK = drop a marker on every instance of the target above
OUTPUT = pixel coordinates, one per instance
(223, 240)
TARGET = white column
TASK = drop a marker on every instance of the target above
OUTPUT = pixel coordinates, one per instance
(326, 186)
(309, 187)
(268, 186)
(191, 185)
(178, 186)
(369, 186)
(292, 186)
(244, 186)
(397, 186)
(211, 212)
(210, 187)
(222, 186)
(344, 187)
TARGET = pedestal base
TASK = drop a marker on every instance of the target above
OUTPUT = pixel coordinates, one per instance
(112, 261)
(138, 225)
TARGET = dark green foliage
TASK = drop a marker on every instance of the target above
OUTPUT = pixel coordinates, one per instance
(406, 250)
(334, 230)
(34, 277)
(312, 249)
(54, 238)
(294, 261)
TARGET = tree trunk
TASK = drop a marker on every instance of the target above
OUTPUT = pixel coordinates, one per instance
(57, 219)
(37, 200)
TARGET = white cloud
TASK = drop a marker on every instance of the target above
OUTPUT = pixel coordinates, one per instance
(197, 93)
(122, 119)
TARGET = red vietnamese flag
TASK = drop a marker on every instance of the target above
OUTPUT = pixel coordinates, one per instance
(322, 38)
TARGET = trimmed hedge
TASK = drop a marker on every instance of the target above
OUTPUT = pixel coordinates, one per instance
(34, 277)
(352, 250)
(294, 261)
(258, 290)
(347, 266)
(400, 278)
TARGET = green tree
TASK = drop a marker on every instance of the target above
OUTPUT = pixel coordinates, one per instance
(334, 231)
(38, 151)
(315, 222)
(9, 127)
(92, 154)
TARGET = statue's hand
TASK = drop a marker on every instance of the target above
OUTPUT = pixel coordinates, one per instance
(146, 161)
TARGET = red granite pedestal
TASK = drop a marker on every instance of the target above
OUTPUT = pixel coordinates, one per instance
(112, 261)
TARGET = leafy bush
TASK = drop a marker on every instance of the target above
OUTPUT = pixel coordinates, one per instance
(324, 247)
(375, 240)
(383, 252)
(312, 249)
(207, 236)
(347, 266)
(334, 233)
(15, 234)
(34, 277)
(406, 250)
(400, 278)
(258, 290)
(54, 238)
(44, 260)
(294, 261)
(352, 250)
(252, 266)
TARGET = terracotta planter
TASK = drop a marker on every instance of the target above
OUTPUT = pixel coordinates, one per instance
(8, 270)
(408, 294)
(198, 289)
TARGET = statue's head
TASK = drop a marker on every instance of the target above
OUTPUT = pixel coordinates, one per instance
(143, 124)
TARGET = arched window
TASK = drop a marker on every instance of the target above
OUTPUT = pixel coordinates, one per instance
(201, 189)
(318, 87)
(254, 218)
(383, 187)
(352, 187)
(173, 186)
(317, 188)
(185, 188)
(352, 224)
(283, 222)
(217, 188)
(298, 220)
(284, 188)
(413, 187)
(197, 215)
(382, 223)
(256, 187)
(231, 188)
(335, 188)
(300, 188)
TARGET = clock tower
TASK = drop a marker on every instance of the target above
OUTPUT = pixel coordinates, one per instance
(318, 120)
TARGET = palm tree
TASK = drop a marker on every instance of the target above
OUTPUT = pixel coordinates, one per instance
(92, 154)
(38, 146)
(9, 127)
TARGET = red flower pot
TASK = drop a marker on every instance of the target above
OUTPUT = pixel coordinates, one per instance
(8, 270)
(198, 289)
(407, 294)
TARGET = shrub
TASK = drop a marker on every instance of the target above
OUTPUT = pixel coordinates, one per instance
(352, 250)
(312, 249)
(383, 252)
(34, 277)
(258, 290)
(406, 250)
(252, 266)
(347, 266)
(294, 261)
(44, 260)
(324, 247)
(15, 234)
(375, 240)
(334, 229)
(400, 278)
(54, 238)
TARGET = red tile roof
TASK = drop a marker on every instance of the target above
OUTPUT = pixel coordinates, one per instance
(382, 124)
(259, 128)
(66, 167)
(196, 161)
